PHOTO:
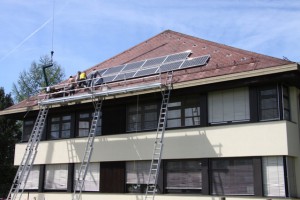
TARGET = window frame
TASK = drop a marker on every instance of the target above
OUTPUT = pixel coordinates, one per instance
(60, 122)
(182, 169)
(260, 100)
(282, 108)
(89, 175)
(140, 169)
(140, 111)
(234, 178)
(66, 181)
(27, 129)
(89, 120)
(184, 103)
(225, 92)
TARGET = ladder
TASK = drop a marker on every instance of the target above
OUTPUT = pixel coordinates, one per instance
(88, 152)
(29, 155)
(158, 144)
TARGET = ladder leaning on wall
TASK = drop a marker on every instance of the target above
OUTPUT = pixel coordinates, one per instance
(88, 152)
(29, 155)
(158, 144)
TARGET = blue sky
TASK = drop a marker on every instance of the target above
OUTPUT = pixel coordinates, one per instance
(85, 33)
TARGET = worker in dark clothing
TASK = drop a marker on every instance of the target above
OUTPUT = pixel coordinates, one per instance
(92, 76)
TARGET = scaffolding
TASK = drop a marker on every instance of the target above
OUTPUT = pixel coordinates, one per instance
(61, 96)
(25, 166)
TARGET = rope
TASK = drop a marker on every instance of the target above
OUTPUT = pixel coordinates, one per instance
(53, 9)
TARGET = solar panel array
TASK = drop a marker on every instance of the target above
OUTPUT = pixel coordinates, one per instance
(151, 66)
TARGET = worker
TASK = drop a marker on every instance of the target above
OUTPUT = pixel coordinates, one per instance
(81, 79)
(94, 74)
(71, 85)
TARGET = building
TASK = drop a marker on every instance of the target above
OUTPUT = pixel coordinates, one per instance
(232, 127)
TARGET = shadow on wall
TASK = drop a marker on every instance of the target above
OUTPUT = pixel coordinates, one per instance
(191, 143)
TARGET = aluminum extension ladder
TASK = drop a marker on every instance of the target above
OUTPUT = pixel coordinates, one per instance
(158, 144)
(88, 152)
(29, 155)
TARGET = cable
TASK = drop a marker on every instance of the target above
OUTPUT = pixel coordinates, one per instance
(53, 9)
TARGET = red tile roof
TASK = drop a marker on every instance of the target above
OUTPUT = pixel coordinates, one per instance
(224, 59)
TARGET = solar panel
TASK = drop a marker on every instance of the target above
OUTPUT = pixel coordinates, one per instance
(170, 66)
(150, 67)
(146, 72)
(124, 76)
(114, 70)
(199, 61)
(132, 66)
(154, 62)
(177, 57)
(107, 79)
(101, 72)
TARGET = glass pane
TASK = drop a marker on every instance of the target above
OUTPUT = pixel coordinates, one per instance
(28, 122)
(150, 107)
(54, 127)
(66, 126)
(56, 177)
(174, 114)
(193, 121)
(273, 176)
(92, 179)
(174, 123)
(134, 127)
(67, 117)
(54, 135)
(33, 178)
(269, 103)
(268, 92)
(150, 116)
(189, 112)
(84, 115)
(55, 119)
(269, 114)
(65, 134)
(83, 132)
(183, 175)
(232, 176)
(150, 125)
(134, 118)
(286, 103)
(174, 104)
(84, 124)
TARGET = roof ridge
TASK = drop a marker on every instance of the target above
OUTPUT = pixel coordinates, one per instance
(231, 48)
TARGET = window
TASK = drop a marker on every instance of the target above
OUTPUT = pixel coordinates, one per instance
(273, 176)
(33, 178)
(232, 176)
(137, 174)
(84, 124)
(184, 112)
(286, 103)
(60, 127)
(229, 106)
(268, 103)
(142, 117)
(56, 177)
(184, 176)
(27, 129)
(92, 179)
